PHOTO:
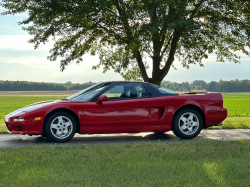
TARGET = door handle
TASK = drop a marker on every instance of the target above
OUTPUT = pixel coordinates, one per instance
(148, 101)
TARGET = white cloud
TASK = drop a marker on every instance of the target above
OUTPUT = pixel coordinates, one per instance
(21, 42)
(19, 61)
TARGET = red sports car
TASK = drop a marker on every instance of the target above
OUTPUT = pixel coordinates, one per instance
(120, 107)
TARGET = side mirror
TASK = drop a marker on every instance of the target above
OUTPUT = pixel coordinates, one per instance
(101, 99)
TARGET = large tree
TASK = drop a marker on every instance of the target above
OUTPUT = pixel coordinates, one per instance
(124, 33)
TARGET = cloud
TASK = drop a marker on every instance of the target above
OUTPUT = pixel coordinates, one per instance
(21, 42)
(32, 65)
(51, 73)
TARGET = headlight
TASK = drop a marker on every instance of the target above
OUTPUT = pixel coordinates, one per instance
(16, 115)
(18, 119)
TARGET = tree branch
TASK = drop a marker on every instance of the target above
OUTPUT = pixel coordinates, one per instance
(131, 39)
(142, 67)
(112, 12)
(175, 38)
(125, 23)
(164, 50)
(164, 71)
(196, 8)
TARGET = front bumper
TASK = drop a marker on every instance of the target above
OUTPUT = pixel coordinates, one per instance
(22, 127)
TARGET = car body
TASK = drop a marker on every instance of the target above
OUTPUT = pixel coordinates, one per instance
(120, 107)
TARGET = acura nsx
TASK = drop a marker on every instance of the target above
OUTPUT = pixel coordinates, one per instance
(120, 107)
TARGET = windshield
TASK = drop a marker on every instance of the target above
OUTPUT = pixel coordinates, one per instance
(88, 93)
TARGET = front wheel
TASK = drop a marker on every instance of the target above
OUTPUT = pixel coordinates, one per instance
(187, 123)
(60, 127)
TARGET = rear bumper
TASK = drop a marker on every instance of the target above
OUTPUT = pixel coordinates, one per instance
(217, 121)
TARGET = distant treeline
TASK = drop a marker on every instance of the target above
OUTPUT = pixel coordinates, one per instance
(40, 86)
(221, 86)
(213, 86)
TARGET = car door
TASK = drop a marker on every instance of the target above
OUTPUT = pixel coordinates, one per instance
(128, 108)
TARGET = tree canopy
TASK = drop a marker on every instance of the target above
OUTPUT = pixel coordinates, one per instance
(124, 33)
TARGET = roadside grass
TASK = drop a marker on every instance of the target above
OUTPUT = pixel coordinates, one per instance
(229, 123)
(234, 123)
(183, 163)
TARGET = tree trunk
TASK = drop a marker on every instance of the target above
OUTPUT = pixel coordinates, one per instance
(158, 74)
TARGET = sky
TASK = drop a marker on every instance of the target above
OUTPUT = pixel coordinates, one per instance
(20, 61)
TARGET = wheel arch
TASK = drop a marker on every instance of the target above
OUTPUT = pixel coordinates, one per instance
(195, 107)
(63, 110)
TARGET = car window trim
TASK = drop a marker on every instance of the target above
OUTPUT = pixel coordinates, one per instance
(151, 92)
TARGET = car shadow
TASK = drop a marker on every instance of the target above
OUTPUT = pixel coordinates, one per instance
(116, 138)
(25, 140)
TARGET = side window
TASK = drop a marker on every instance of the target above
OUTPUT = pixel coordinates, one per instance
(126, 91)
(114, 93)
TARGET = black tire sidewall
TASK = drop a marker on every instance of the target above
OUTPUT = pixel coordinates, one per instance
(47, 124)
(176, 129)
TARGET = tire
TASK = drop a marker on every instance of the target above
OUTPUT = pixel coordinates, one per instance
(187, 123)
(60, 127)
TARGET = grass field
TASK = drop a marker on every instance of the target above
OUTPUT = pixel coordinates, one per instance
(11, 103)
(38, 93)
(238, 105)
(196, 163)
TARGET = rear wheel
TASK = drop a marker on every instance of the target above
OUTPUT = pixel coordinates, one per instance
(60, 127)
(187, 123)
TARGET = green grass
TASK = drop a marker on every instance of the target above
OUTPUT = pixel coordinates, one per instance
(238, 105)
(234, 123)
(196, 163)
(235, 96)
(10, 103)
